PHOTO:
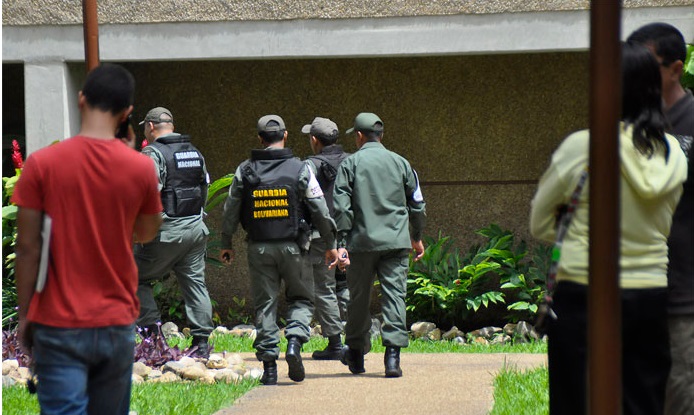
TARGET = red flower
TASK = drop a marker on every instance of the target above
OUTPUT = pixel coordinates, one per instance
(457, 282)
(17, 155)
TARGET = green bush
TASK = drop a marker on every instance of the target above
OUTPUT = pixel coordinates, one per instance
(449, 289)
(9, 236)
(688, 70)
(216, 195)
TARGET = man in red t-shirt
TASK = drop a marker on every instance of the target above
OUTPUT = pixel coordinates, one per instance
(100, 195)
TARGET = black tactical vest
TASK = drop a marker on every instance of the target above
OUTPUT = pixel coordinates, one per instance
(326, 171)
(185, 190)
(271, 206)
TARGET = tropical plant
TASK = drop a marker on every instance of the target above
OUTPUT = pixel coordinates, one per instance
(214, 198)
(216, 195)
(236, 314)
(11, 348)
(169, 297)
(431, 280)
(521, 278)
(687, 78)
(9, 236)
(448, 288)
(154, 351)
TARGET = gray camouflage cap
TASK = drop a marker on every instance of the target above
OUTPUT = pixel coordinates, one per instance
(266, 119)
(321, 127)
(157, 115)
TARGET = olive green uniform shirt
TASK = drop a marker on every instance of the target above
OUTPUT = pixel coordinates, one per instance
(376, 197)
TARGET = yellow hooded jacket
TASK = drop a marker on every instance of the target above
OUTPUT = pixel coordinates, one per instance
(650, 190)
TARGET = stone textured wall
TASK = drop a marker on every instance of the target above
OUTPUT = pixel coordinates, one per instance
(478, 129)
(38, 12)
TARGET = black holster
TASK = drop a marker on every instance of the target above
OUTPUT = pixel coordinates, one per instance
(303, 239)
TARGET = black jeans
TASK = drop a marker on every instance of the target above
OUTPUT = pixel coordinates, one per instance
(645, 350)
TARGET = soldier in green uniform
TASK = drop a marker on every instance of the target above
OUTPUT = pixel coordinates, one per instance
(274, 195)
(376, 198)
(181, 243)
(323, 134)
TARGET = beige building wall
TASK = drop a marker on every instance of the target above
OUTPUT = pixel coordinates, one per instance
(61, 12)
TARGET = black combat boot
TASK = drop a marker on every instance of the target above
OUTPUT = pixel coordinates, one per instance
(269, 373)
(293, 358)
(203, 347)
(391, 359)
(354, 358)
(333, 351)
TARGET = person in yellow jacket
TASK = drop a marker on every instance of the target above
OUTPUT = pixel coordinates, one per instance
(652, 170)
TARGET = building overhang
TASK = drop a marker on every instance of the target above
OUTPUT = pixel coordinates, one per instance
(329, 38)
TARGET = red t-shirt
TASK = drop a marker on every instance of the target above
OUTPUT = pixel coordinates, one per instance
(93, 190)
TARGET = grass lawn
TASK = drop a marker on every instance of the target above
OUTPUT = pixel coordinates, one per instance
(511, 387)
(155, 398)
(521, 392)
(244, 344)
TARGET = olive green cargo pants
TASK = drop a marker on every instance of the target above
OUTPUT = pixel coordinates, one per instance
(391, 269)
(269, 264)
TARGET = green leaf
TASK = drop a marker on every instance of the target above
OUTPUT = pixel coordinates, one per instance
(9, 212)
(687, 78)
(524, 296)
(157, 288)
(495, 297)
(216, 201)
(519, 305)
(219, 184)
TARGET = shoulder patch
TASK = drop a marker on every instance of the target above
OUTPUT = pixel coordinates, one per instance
(417, 195)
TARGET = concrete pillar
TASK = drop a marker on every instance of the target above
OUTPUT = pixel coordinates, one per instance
(51, 111)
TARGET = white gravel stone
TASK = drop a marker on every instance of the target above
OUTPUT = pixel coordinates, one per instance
(141, 369)
(9, 365)
(217, 362)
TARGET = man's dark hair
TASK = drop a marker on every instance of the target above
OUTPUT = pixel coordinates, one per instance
(372, 135)
(641, 101)
(667, 41)
(272, 137)
(109, 87)
(327, 140)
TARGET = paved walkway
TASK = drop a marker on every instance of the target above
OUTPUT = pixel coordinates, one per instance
(456, 383)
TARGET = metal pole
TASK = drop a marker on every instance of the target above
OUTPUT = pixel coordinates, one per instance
(604, 306)
(91, 33)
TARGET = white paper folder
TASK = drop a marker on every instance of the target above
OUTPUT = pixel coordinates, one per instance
(45, 253)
